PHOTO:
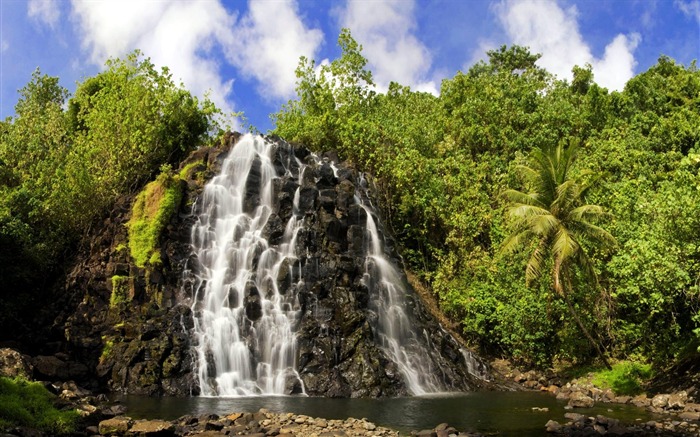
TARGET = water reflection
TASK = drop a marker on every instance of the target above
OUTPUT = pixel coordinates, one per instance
(505, 413)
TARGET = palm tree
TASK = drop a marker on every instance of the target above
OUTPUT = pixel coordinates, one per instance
(554, 218)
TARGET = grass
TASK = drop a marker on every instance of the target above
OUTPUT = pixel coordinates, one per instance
(625, 378)
(29, 404)
(151, 212)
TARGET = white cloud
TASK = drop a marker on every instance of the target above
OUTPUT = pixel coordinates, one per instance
(4, 46)
(187, 36)
(385, 30)
(552, 31)
(179, 35)
(690, 8)
(267, 44)
(44, 11)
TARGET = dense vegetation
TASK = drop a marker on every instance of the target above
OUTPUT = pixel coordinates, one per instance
(30, 404)
(448, 169)
(64, 161)
(595, 256)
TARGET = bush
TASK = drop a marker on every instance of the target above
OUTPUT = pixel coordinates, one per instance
(29, 404)
(625, 378)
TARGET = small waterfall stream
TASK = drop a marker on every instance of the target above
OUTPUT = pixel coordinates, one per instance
(396, 335)
(245, 319)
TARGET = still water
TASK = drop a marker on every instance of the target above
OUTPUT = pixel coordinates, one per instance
(497, 413)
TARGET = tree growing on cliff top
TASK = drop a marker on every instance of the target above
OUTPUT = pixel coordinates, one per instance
(554, 221)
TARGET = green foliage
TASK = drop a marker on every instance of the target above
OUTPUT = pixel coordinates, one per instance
(63, 162)
(152, 211)
(29, 404)
(442, 164)
(120, 290)
(625, 378)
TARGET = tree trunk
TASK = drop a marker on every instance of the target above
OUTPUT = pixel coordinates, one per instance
(559, 288)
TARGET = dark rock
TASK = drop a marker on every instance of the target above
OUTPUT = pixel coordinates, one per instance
(253, 307)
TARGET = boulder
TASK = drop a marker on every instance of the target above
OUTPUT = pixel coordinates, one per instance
(115, 425)
(580, 400)
(13, 364)
(676, 401)
(152, 428)
(660, 401)
(50, 367)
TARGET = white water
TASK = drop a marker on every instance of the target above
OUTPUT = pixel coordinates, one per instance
(240, 354)
(237, 356)
(396, 335)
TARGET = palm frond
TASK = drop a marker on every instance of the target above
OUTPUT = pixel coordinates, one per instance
(516, 196)
(564, 245)
(533, 270)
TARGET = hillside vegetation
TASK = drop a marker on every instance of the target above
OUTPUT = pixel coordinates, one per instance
(65, 160)
(541, 257)
(555, 221)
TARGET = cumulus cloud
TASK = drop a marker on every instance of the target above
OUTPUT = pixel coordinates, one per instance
(179, 35)
(188, 36)
(552, 31)
(385, 30)
(690, 9)
(267, 44)
(44, 11)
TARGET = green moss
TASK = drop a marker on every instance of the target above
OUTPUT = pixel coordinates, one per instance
(152, 211)
(29, 404)
(187, 170)
(120, 248)
(625, 378)
(120, 290)
(107, 348)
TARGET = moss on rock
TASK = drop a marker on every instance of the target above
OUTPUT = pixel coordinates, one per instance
(152, 210)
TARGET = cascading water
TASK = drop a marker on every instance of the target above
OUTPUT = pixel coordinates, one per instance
(250, 297)
(244, 324)
(396, 334)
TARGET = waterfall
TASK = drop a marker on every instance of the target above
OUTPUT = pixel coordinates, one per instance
(244, 324)
(248, 285)
(395, 332)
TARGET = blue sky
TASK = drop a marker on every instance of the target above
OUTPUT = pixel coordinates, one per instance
(245, 52)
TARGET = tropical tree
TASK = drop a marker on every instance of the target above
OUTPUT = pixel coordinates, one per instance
(553, 220)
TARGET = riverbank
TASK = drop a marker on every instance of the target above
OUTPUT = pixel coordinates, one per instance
(259, 424)
(678, 412)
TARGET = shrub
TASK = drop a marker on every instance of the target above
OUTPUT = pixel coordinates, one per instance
(625, 378)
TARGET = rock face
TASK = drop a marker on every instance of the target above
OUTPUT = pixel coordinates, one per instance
(143, 345)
